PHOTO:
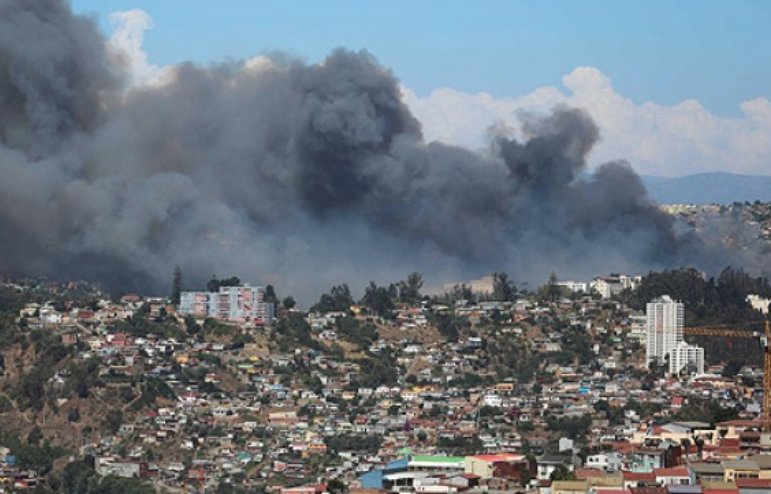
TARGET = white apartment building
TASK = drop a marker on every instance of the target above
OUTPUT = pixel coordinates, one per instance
(235, 303)
(759, 303)
(683, 356)
(664, 327)
(608, 286)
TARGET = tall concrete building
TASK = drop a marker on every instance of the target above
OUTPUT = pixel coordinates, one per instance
(664, 337)
(664, 329)
(234, 303)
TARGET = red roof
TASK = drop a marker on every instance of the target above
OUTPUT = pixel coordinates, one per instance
(740, 423)
(648, 490)
(730, 442)
(754, 483)
(640, 476)
(672, 472)
(196, 473)
(622, 447)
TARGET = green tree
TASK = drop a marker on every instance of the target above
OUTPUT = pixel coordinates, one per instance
(336, 486)
(191, 326)
(77, 477)
(35, 436)
(449, 326)
(460, 445)
(504, 289)
(562, 472)
(214, 283)
(409, 290)
(551, 291)
(338, 299)
(270, 295)
(289, 302)
(113, 420)
(378, 299)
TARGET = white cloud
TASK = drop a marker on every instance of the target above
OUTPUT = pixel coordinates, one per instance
(129, 28)
(659, 140)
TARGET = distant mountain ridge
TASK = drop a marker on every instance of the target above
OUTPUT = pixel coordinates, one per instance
(708, 188)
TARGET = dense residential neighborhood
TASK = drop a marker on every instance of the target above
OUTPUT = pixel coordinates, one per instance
(495, 391)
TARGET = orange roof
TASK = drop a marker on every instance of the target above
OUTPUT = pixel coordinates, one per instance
(499, 457)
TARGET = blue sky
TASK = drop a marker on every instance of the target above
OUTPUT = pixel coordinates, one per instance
(716, 52)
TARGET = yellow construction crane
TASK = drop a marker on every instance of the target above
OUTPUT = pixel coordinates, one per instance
(764, 337)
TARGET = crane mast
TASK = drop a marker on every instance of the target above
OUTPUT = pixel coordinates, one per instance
(766, 413)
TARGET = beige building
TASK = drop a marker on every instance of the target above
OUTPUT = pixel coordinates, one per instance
(501, 465)
(569, 487)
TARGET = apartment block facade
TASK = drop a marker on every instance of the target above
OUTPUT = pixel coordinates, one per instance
(233, 303)
(664, 327)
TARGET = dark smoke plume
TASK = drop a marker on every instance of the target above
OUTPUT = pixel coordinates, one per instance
(283, 172)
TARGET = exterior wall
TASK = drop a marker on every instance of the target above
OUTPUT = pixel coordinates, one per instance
(238, 303)
(664, 327)
(545, 470)
(673, 480)
(604, 461)
(479, 467)
(647, 462)
(610, 286)
(119, 469)
(759, 303)
(372, 479)
(731, 474)
(683, 355)
(570, 487)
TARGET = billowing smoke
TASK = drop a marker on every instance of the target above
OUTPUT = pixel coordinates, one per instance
(278, 171)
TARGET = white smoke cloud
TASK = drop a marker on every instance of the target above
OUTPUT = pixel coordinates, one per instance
(658, 140)
(126, 42)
